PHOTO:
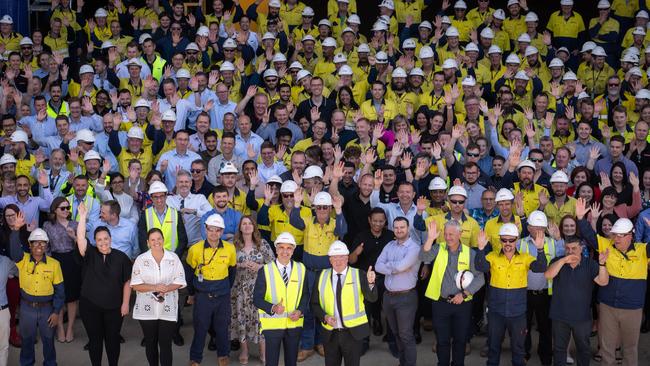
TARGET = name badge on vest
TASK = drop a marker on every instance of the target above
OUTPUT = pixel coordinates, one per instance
(199, 276)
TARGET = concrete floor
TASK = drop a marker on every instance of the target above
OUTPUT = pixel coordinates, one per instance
(72, 354)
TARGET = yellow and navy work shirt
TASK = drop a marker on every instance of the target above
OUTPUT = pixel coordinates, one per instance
(492, 227)
(213, 268)
(41, 281)
(566, 30)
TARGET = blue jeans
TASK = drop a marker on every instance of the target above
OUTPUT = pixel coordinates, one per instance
(31, 320)
(497, 325)
(210, 312)
(451, 323)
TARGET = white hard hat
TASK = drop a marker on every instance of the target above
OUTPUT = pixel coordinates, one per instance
(437, 184)
(268, 35)
(603, 4)
(227, 66)
(354, 19)
(563, 49)
(487, 33)
(457, 191)
(588, 47)
(215, 220)
(509, 229)
(641, 94)
(288, 186)
(345, 70)
(274, 4)
(143, 37)
(426, 24)
(452, 32)
(183, 73)
(499, 14)
(270, 73)
(583, 95)
(329, 42)
(512, 2)
(296, 65)
(494, 49)
(556, 62)
(363, 48)
(285, 238)
(504, 194)
(569, 75)
(228, 168)
(348, 30)
(26, 41)
(325, 22)
(6, 19)
(559, 177)
(513, 59)
(307, 12)
(203, 31)
(398, 73)
(471, 47)
(532, 17)
(142, 103)
(426, 52)
(409, 43)
(312, 171)
(538, 219)
(642, 14)
(229, 43)
(168, 115)
(531, 50)
(638, 31)
(157, 187)
(302, 74)
(382, 58)
(446, 20)
(388, 4)
(526, 164)
(416, 71)
(599, 51)
(468, 81)
(322, 199)
(134, 62)
(460, 4)
(136, 133)
(274, 179)
(635, 71)
(463, 279)
(524, 38)
(20, 136)
(338, 248)
(379, 26)
(38, 235)
(622, 226)
(308, 37)
(101, 13)
(92, 155)
(8, 159)
(450, 63)
(339, 57)
(279, 57)
(85, 135)
(521, 75)
(566, 2)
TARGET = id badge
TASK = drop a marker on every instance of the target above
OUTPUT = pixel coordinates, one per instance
(200, 277)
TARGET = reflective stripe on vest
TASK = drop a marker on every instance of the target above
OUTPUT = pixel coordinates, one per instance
(440, 265)
(549, 247)
(354, 311)
(168, 227)
(276, 290)
(64, 110)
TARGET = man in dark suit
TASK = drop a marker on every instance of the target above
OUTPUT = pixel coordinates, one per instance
(281, 296)
(337, 301)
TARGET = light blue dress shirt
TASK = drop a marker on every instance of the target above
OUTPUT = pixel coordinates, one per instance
(175, 160)
(400, 264)
(31, 207)
(124, 236)
(537, 281)
(394, 210)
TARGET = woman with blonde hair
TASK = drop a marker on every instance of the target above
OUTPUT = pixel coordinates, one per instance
(253, 252)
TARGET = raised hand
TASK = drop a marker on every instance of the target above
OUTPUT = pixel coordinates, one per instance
(538, 239)
(581, 208)
(432, 231)
(297, 197)
(482, 240)
(370, 275)
(595, 210)
(602, 256)
(378, 179)
(634, 181)
(422, 204)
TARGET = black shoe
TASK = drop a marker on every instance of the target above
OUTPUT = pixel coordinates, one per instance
(212, 345)
(87, 346)
(392, 346)
(178, 339)
(644, 327)
(418, 338)
(377, 329)
(122, 339)
(235, 345)
(142, 343)
(365, 348)
(384, 338)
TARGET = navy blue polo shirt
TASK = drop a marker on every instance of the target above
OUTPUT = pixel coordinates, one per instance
(572, 291)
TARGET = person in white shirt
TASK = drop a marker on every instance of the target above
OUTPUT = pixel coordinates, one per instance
(157, 276)
(128, 209)
(192, 206)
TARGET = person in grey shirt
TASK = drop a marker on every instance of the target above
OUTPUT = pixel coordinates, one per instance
(267, 130)
(452, 305)
(8, 270)
(399, 263)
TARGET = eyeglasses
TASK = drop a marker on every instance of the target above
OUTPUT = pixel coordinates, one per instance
(64, 208)
(455, 202)
(473, 155)
(538, 160)
(38, 243)
(613, 84)
(212, 228)
(287, 195)
(322, 208)
(197, 171)
(271, 80)
(228, 50)
(508, 240)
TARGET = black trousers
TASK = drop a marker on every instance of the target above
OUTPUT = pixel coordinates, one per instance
(342, 346)
(158, 341)
(539, 303)
(562, 332)
(287, 339)
(103, 329)
(451, 323)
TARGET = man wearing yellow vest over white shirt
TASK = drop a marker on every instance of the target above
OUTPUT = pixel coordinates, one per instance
(453, 265)
(281, 298)
(338, 302)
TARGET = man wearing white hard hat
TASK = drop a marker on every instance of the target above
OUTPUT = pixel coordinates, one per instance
(281, 296)
(319, 231)
(604, 31)
(539, 288)
(526, 186)
(42, 298)
(451, 295)
(594, 76)
(507, 299)
(134, 149)
(515, 24)
(505, 203)
(621, 301)
(559, 204)
(566, 26)
(338, 303)
(213, 262)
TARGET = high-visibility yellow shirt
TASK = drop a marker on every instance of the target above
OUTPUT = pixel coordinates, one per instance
(464, 27)
(555, 214)
(492, 227)
(515, 27)
(625, 8)
(39, 279)
(469, 228)
(381, 147)
(610, 25)
(279, 222)
(478, 18)
(369, 111)
(217, 268)
(565, 28)
(531, 197)
(405, 8)
(317, 237)
(509, 274)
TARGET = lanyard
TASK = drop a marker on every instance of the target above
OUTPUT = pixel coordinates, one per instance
(211, 258)
(53, 182)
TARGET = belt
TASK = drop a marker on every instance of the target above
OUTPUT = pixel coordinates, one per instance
(398, 293)
(37, 304)
(4, 307)
(538, 292)
(340, 329)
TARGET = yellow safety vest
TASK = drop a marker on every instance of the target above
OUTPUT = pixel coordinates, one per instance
(439, 267)
(88, 202)
(64, 110)
(168, 226)
(157, 68)
(354, 311)
(549, 251)
(290, 294)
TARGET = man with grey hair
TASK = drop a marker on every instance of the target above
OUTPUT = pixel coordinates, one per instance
(454, 279)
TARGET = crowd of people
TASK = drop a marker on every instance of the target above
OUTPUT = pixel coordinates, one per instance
(302, 184)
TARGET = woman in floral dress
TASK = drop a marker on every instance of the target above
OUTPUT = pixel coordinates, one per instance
(252, 253)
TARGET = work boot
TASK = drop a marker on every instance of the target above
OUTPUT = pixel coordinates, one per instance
(320, 350)
(224, 361)
(304, 354)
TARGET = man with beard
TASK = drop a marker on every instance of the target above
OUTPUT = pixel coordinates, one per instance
(595, 76)
(298, 163)
(210, 140)
(80, 194)
(25, 160)
(610, 99)
(227, 156)
(57, 173)
(30, 206)
(356, 204)
(505, 202)
(541, 177)
(268, 129)
(56, 105)
(101, 140)
(236, 198)
(231, 216)
(524, 183)
(398, 92)
(522, 94)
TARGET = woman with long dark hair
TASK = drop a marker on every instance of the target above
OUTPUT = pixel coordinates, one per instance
(347, 104)
(63, 234)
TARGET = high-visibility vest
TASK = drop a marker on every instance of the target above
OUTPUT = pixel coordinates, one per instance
(64, 110)
(354, 311)
(290, 295)
(88, 202)
(168, 226)
(157, 67)
(439, 267)
(549, 252)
